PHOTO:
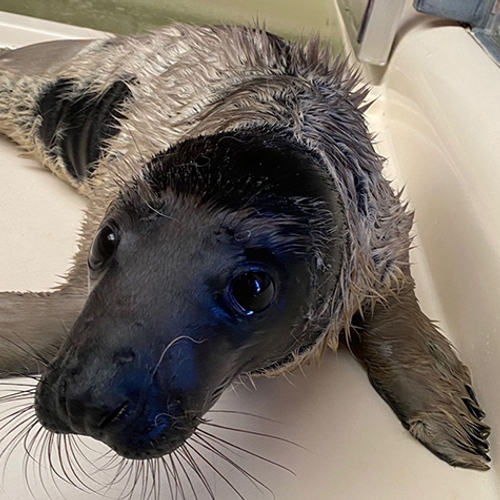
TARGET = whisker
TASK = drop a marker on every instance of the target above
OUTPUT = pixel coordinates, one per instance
(77, 454)
(113, 461)
(50, 461)
(62, 464)
(148, 480)
(11, 441)
(21, 395)
(30, 439)
(40, 440)
(178, 482)
(74, 465)
(201, 441)
(144, 466)
(103, 455)
(168, 474)
(12, 414)
(245, 414)
(178, 457)
(170, 345)
(155, 465)
(30, 459)
(240, 448)
(211, 447)
(217, 452)
(215, 469)
(125, 468)
(196, 468)
(28, 349)
(245, 379)
(139, 478)
(135, 475)
(253, 433)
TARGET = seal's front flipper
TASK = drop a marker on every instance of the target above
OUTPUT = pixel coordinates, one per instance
(414, 368)
(33, 326)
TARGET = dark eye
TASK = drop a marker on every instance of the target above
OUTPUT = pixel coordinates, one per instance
(253, 291)
(103, 247)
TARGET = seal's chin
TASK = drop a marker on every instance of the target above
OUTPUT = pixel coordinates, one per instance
(151, 433)
(161, 437)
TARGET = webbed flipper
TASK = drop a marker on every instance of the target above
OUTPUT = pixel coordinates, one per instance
(415, 369)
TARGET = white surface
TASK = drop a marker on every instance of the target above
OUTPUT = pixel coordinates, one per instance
(355, 446)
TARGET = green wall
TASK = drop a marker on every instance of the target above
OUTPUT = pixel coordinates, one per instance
(292, 18)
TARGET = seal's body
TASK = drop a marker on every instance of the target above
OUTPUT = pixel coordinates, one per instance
(238, 223)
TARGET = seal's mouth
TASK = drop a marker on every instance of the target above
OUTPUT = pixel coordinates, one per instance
(150, 435)
(161, 436)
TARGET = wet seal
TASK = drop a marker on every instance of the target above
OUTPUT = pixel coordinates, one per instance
(238, 222)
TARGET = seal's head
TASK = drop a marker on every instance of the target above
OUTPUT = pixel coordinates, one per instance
(220, 260)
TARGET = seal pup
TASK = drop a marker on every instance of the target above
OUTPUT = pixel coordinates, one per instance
(238, 223)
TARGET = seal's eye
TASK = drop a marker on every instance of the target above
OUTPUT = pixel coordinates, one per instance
(252, 291)
(103, 247)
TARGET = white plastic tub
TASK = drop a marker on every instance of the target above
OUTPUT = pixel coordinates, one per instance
(438, 122)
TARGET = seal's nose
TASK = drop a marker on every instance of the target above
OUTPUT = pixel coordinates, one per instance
(73, 401)
(86, 416)
(122, 403)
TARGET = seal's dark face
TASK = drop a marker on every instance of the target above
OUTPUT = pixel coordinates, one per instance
(218, 262)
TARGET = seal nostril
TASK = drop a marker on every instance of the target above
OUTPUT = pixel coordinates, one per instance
(112, 416)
